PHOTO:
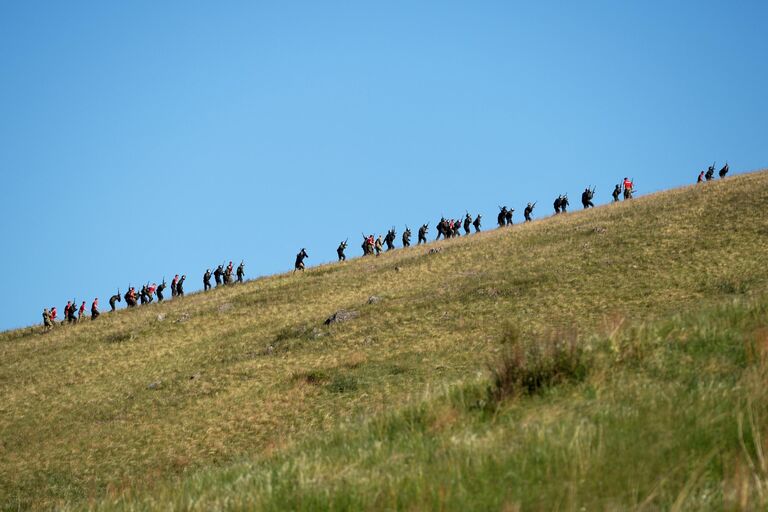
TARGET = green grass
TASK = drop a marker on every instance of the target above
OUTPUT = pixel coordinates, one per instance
(661, 300)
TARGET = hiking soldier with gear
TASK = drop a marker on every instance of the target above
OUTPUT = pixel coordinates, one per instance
(143, 295)
(508, 216)
(180, 286)
(710, 175)
(629, 186)
(442, 228)
(476, 223)
(467, 223)
(173, 285)
(218, 273)
(113, 299)
(299, 265)
(723, 171)
(160, 291)
(390, 239)
(700, 178)
(207, 280)
(340, 251)
(501, 220)
(423, 230)
(95, 309)
(367, 245)
(72, 312)
(228, 274)
(527, 212)
(130, 297)
(378, 245)
(558, 204)
(616, 193)
(47, 324)
(564, 204)
(407, 237)
(53, 315)
(81, 312)
(240, 271)
(586, 198)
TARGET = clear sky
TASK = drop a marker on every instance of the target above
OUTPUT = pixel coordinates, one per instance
(142, 139)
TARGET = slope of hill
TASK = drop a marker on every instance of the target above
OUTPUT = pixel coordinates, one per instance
(648, 391)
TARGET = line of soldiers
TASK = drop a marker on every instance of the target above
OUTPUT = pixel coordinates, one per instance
(709, 175)
(446, 228)
(223, 276)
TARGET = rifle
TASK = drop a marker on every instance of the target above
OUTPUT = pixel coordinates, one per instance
(345, 241)
(534, 205)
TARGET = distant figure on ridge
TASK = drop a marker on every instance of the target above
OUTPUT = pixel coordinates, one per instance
(115, 298)
(47, 324)
(207, 280)
(173, 285)
(586, 198)
(299, 265)
(558, 204)
(218, 273)
(501, 219)
(476, 223)
(628, 188)
(700, 178)
(240, 271)
(180, 286)
(160, 289)
(340, 251)
(723, 171)
(378, 245)
(616, 193)
(527, 212)
(423, 230)
(407, 237)
(95, 309)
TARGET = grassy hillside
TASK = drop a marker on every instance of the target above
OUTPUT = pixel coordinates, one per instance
(648, 391)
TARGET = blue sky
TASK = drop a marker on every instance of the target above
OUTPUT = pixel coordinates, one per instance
(144, 140)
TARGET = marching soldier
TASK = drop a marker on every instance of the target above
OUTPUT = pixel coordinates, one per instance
(629, 186)
(710, 175)
(616, 193)
(501, 220)
(527, 212)
(476, 223)
(95, 309)
(240, 271)
(173, 285)
(558, 203)
(113, 299)
(299, 265)
(407, 237)
(340, 251)
(423, 230)
(586, 198)
(723, 171)
(564, 204)
(207, 280)
(218, 273)
(378, 245)
(180, 286)
(160, 291)
(467, 223)
(508, 216)
(47, 324)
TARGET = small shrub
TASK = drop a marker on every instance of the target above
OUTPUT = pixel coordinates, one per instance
(343, 383)
(527, 366)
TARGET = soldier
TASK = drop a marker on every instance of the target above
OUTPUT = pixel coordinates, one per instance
(95, 309)
(564, 204)
(71, 318)
(378, 245)
(710, 175)
(173, 285)
(367, 245)
(218, 273)
(467, 223)
(113, 299)
(616, 193)
(240, 271)
(81, 312)
(527, 212)
(53, 315)
(66, 311)
(299, 265)
(340, 251)
(151, 291)
(207, 280)
(143, 295)
(130, 297)
(476, 223)
(407, 237)
(700, 178)
(180, 286)
(228, 274)
(558, 203)
(160, 291)
(455, 227)
(508, 216)
(441, 228)
(501, 220)
(47, 320)
(628, 187)
(586, 198)
(423, 230)
(723, 171)
(390, 239)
